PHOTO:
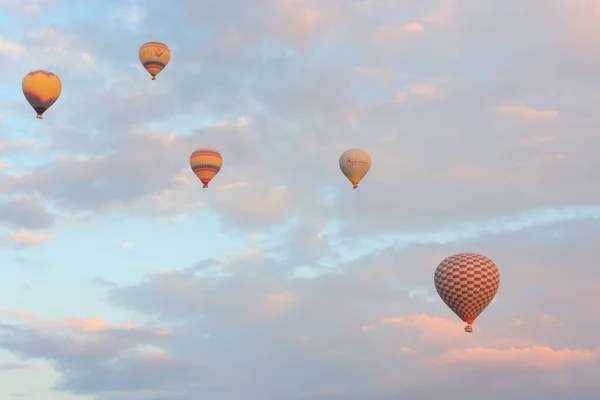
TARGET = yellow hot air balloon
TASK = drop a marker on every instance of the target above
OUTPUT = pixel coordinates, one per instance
(154, 56)
(355, 164)
(41, 89)
(206, 163)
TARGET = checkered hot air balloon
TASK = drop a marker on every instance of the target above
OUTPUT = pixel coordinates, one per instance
(467, 283)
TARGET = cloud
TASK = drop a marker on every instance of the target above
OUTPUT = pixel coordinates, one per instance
(537, 140)
(375, 73)
(371, 286)
(10, 49)
(22, 239)
(535, 357)
(261, 205)
(55, 46)
(118, 174)
(298, 22)
(522, 112)
(13, 366)
(343, 323)
(90, 325)
(232, 186)
(425, 90)
(74, 343)
(432, 328)
(434, 19)
(26, 7)
(419, 90)
(314, 290)
(26, 212)
(550, 320)
(388, 33)
(16, 314)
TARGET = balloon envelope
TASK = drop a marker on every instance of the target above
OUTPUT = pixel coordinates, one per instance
(41, 89)
(206, 163)
(355, 164)
(154, 56)
(467, 283)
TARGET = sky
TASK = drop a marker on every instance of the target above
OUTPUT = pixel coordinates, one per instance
(123, 279)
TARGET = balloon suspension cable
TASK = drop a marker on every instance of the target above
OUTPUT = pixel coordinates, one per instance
(468, 329)
(354, 187)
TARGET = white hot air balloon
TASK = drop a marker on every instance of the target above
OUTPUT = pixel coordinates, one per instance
(355, 164)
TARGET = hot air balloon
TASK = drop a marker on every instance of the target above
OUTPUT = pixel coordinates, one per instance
(355, 164)
(206, 163)
(467, 283)
(41, 89)
(154, 56)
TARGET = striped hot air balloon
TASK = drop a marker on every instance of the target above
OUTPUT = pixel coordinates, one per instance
(355, 164)
(467, 283)
(154, 56)
(41, 89)
(206, 163)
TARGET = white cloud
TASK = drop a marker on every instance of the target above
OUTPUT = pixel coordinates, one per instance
(23, 239)
(9, 48)
(523, 112)
(388, 33)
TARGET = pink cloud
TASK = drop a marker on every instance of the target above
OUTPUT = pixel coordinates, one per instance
(29, 239)
(232, 186)
(470, 173)
(16, 314)
(549, 321)
(522, 112)
(516, 322)
(234, 42)
(153, 355)
(431, 328)
(388, 33)
(10, 48)
(368, 328)
(260, 205)
(535, 357)
(434, 19)
(579, 25)
(375, 73)
(92, 325)
(537, 140)
(298, 22)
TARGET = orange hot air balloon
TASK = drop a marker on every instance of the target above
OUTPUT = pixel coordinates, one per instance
(206, 163)
(41, 89)
(154, 56)
(467, 283)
